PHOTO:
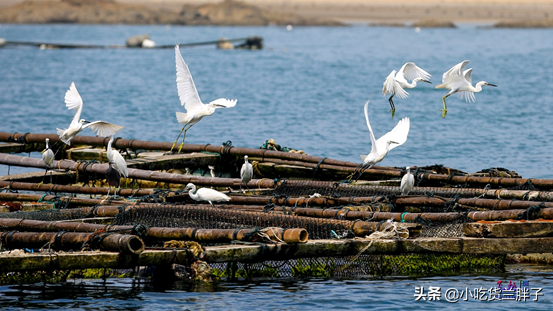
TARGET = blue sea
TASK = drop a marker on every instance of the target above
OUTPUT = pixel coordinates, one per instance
(306, 89)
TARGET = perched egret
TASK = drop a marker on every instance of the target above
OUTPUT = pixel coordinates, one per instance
(48, 158)
(380, 148)
(189, 98)
(246, 173)
(395, 83)
(74, 101)
(113, 177)
(459, 80)
(407, 182)
(206, 194)
(117, 160)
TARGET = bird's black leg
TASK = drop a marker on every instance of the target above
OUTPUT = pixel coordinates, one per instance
(393, 110)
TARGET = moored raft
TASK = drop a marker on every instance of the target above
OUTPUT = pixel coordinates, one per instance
(300, 215)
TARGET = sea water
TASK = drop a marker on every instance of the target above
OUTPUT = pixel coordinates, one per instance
(306, 89)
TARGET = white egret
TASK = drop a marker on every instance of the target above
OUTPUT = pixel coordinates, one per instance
(48, 158)
(74, 101)
(206, 194)
(459, 80)
(407, 182)
(117, 160)
(113, 177)
(189, 98)
(380, 148)
(246, 173)
(395, 83)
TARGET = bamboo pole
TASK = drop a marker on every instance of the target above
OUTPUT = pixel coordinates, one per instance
(15, 185)
(128, 244)
(14, 160)
(151, 145)
(292, 235)
(67, 200)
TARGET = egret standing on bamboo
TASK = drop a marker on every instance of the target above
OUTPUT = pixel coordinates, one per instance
(206, 194)
(459, 80)
(113, 177)
(117, 160)
(48, 158)
(246, 173)
(190, 99)
(395, 83)
(74, 101)
(407, 182)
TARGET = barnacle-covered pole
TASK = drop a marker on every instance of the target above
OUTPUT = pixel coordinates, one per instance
(128, 244)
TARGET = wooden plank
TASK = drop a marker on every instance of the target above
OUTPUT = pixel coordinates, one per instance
(509, 229)
(18, 260)
(507, 246)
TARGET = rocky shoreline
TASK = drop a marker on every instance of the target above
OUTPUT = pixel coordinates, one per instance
(292, 12)
(228, 12)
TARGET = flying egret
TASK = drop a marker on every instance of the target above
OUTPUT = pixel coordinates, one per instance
(407, 182)
(395, 83)
(459, 80)
(74, 101)
(246, 173)
(380, 148)
(189, 98)
(117, 160)
(48, 158)
(206, 194)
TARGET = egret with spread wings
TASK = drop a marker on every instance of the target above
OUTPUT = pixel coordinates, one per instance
(396, 83)
(190, 99)
(459, 80)
(73, 100)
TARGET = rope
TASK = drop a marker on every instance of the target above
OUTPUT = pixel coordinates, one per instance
(317, 168)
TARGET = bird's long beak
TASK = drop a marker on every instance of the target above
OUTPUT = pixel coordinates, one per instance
(491, 84)
(426, 81)
(84, 121)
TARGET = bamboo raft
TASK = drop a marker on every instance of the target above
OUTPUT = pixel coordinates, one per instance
(298, 217)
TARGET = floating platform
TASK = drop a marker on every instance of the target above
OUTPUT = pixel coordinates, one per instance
(301, 215)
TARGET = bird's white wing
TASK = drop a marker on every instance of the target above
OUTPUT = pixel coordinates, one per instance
(224, 103)
(373, 140)
(411, 71)
(391, 86)
(398, 135)
(103, 128)
(453, 74)
(468, 75)
(73, 100)
(120, 164)
(468, 96)
(207, 194)
(186, 88)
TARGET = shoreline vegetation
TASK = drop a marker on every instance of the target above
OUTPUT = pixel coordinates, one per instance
(397, 13)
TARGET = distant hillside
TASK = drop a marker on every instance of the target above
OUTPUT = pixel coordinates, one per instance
(228, 12)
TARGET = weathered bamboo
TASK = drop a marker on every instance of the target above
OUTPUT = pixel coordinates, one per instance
(435, 191)
(72, 189)
(399, 202)
(292, 235)
(14, 160)
(150, 145)
(67, 200)
(128, 244)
